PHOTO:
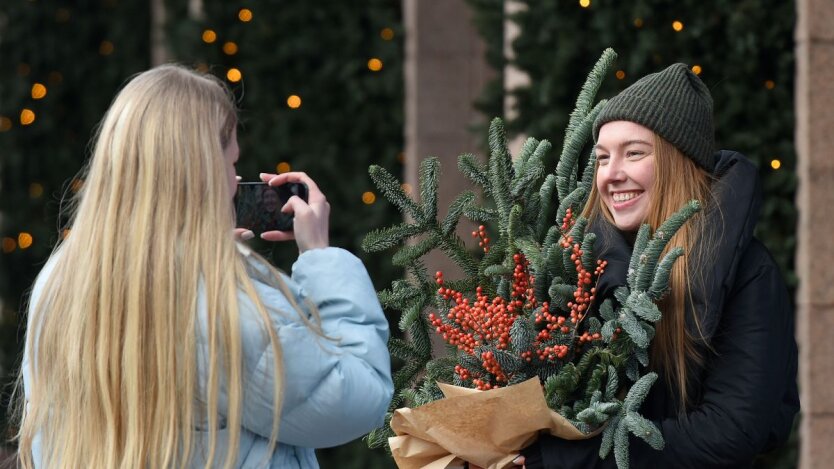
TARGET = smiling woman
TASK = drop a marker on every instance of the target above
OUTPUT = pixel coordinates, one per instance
(725, 349)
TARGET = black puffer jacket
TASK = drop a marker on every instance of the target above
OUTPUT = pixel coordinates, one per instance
(746, 395)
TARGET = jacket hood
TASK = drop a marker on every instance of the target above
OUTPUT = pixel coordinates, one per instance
(731, 218)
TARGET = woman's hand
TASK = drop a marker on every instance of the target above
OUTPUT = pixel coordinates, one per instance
(311, 218)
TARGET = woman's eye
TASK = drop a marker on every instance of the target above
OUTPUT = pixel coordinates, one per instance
(634, 154)
(602, 159)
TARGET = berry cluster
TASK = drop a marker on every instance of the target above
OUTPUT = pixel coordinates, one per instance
(487, 321)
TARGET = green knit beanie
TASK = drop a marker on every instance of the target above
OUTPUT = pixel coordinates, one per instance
(675, 104)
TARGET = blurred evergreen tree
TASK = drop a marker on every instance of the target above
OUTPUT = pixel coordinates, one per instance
(321, 92)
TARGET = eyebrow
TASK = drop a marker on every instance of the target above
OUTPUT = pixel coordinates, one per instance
(624, 144)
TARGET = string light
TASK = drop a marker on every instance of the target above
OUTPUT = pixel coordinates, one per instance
(368, 198)
(775, 164)
(24, 240)
(234, 75)
(770, 84)
(230, 48)
(283, 167)
(294, 101)
(38, 91)
(245, 15)
(9, 245)
(106, 48)
(696, 69)
(27, 116)
(584, 3)
(620, 74)
(387, 34)
(638, 22)
(374, 64)
(35, 190)
(5, 124)
(209, 36)
(677, 26)
(406, 187)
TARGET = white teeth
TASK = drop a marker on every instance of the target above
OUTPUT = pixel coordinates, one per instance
(623, 196)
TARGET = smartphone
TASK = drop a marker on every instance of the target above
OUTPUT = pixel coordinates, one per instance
(258, 205)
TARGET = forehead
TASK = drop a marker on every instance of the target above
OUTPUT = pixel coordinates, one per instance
(617, 133)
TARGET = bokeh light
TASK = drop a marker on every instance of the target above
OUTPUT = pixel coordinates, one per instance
(387, 34)
(230, 48)
(245, 15)
(374, 64)
(27, 116)
(24, 240)
(283, 167)
(209, 36)
(775, 164)
(677, 26)
(234, 75)
(368, 198)
(294, 101)
(38, 91)
(696, 69)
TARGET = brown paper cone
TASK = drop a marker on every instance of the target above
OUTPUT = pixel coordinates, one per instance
(487, 428)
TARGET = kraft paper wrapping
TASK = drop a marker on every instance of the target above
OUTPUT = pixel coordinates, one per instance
(487, 428)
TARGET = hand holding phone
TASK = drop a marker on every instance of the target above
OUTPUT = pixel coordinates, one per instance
(258, 205)
(312, 217)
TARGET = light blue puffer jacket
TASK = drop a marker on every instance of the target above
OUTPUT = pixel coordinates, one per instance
(333, 392)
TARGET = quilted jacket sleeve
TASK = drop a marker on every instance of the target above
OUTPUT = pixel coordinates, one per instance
(335, 389)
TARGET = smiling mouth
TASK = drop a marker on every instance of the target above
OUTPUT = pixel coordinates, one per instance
(620, 197)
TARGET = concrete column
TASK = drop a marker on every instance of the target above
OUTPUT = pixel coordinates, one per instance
(445, 71)
(514, 77)
(815, 256)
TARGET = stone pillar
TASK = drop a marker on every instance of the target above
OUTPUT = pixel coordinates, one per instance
(514, 77)
(445, 71)
(815, 200)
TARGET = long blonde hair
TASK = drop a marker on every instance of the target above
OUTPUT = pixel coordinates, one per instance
(112, 340)
(678, 179)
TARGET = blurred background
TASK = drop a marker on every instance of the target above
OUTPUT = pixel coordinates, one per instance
(330, 87)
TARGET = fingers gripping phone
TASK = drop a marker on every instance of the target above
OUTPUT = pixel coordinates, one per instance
(258, 205)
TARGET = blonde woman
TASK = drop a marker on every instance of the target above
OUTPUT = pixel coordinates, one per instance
(157, 340)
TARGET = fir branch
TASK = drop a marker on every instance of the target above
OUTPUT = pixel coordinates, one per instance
(643, 306)
(638, 392)
(640, 243)
(500, 168)
(588, 257)
(608, 437)
(532, 171)
(644, 429)
(401, 349)
(527, 149)
(456, 209)
(613, 384)
(574, 142)
(429, 169)
(650, 256)
(478, 173)
(660, 284)
(522, 334)
(590, 88)
(479, 214)
(418, 331)
(570, 201)
(606, 310)
(546, 199)
(454, 248)
(588, 177)
(390, 187)
(408, 254)
(382, 239)
(530, 249)
(632, 327)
